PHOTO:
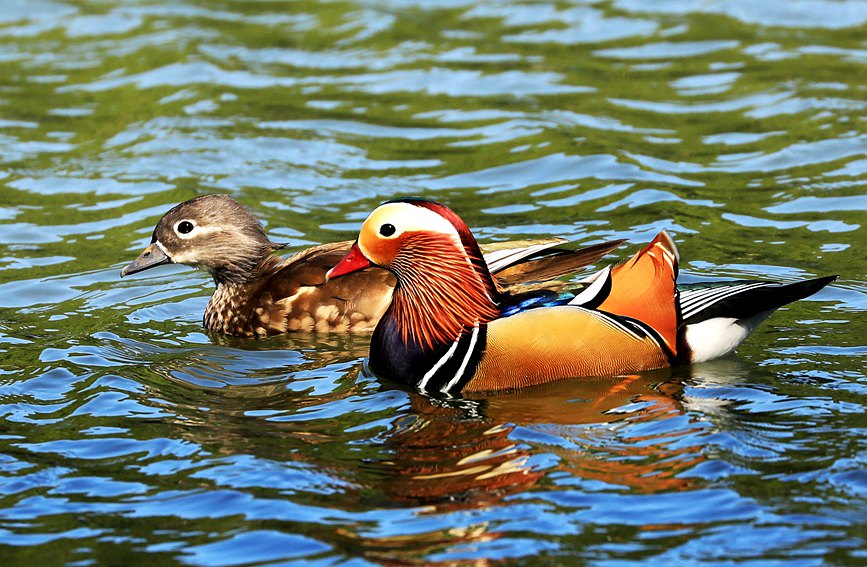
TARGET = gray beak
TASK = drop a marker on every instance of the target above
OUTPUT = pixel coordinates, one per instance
(152, 256)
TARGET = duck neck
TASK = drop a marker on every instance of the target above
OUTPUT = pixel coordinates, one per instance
(241, 273)
(225, 312)
(435, 300)
(437, 320)
(231, 307)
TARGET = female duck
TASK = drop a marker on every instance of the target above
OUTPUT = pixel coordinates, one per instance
(451, 328)
(261, 294)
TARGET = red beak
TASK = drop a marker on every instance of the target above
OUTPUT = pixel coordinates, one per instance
(352, 262)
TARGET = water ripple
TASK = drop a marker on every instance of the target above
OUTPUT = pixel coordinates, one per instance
(131, 433)
(787, 13)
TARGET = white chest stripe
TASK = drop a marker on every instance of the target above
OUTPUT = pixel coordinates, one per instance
(430, 373)
(466, 361)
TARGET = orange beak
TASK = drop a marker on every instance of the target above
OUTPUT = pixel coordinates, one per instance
(352, 262)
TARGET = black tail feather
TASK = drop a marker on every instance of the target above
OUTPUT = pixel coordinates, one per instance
(752, 301)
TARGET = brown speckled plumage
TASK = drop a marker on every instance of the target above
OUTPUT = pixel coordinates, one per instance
(260, 294)
(292, 295)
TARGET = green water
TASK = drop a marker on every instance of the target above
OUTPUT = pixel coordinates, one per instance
(129, 435)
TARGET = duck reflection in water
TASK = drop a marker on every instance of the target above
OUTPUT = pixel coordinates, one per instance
(629, 435)
(468, 453)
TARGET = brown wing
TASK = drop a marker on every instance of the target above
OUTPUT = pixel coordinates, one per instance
(296, 297)
(554, 264)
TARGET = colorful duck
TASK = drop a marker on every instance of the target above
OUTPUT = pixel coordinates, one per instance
(452, 328)
(260, 294)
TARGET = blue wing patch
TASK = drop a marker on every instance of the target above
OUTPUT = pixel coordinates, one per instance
(534, 300)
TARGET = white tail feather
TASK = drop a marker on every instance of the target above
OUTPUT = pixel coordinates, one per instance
(719, 336)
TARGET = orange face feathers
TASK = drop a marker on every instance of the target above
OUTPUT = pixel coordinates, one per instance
(443, 283)
(384, 234)
(439, 292)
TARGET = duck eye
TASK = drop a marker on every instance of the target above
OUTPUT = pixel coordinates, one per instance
(387, 229)
(185, 227)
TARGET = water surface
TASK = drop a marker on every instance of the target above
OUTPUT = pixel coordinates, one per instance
(130, 435)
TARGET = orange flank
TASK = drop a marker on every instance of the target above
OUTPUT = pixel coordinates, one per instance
(543, 345)
(644, 288)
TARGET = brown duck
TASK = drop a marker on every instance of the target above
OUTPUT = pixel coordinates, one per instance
(260, 294)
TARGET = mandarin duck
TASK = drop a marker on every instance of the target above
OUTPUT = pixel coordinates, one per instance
(451, 328)
(260, 294)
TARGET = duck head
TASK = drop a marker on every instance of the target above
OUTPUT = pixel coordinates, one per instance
(212, 232)
(443, 283)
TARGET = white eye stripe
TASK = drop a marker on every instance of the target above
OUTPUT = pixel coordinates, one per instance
(198, 230)
(406, 217)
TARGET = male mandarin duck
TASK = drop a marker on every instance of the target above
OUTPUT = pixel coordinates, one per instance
(452, 328)
(261, 294)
